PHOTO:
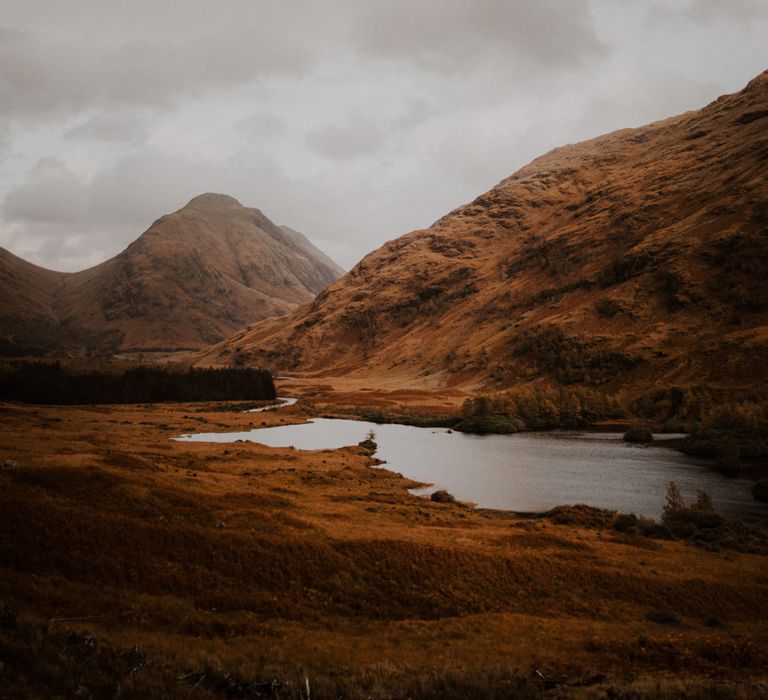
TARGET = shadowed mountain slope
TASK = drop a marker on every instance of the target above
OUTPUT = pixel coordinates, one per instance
(636, 258)
(193, 278)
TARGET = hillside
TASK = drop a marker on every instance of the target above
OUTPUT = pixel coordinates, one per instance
(637, 258)
(193, 278)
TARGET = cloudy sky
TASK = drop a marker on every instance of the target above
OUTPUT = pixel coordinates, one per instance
(354, 121)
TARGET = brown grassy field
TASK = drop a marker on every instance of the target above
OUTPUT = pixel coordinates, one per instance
(142, 567)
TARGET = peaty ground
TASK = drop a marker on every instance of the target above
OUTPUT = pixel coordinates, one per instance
(142, 567)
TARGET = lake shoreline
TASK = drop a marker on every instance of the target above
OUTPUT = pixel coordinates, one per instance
(580, 458)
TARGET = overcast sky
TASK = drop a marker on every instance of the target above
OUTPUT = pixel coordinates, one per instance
(353, 121)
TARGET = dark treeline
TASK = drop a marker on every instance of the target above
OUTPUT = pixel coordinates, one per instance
(52, 384)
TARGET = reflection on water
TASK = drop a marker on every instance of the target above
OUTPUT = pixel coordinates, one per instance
(526, 471)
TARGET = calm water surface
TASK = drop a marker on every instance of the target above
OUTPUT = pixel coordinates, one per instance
(525, 471)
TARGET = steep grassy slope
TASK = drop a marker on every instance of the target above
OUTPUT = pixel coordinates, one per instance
(636, 258)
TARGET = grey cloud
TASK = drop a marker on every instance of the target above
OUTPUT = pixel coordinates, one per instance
(52, 193)
(44, 74)
(260, 125)
(61, 246)
(414, 112)
(446, 34)
(111, 128)
(4, 140)
(731, 12)
(358, 136)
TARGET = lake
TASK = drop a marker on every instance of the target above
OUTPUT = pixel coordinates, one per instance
(524, 471)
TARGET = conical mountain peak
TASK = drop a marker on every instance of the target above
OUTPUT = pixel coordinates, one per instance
(211, 200)
(193, 278)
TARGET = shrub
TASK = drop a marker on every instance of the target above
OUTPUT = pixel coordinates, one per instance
(625, 522)
(483, 425)
(369, 444)
(581, 515)
(728, 429)
(760, 490)
(700, 445)
(707, 520)
(7, 616)
(638, 434)
(442, 496)
(608, 308)
(672, 425)
(674, 508)
(658, 531)
(682, 529)
(707, 535)
(729, 464)
(664, 617)
(680, 517)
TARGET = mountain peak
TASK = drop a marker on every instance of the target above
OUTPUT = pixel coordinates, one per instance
(193, 278)
(213, 199)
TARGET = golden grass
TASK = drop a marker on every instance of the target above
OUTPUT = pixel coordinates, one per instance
(264, 562)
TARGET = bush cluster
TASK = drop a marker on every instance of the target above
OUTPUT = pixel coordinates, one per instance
(697, 522)
(731, 431)
(542, 407)
(484, 425)
(638, 434)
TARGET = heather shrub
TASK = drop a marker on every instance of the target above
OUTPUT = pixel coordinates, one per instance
(625, 522)
(482, 425)
(664, 617)
(639, 435)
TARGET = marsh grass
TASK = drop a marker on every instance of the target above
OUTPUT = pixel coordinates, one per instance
(223, 568)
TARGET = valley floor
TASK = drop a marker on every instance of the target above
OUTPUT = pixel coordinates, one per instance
(137, 566)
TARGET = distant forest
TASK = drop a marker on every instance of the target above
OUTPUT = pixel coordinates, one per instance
(45, 383)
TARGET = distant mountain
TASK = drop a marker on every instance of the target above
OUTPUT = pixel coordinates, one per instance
(636, 259)
(193, 278)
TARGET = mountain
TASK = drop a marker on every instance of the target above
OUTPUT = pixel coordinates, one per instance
(27, 315)
(193, 278)
(637, 258)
